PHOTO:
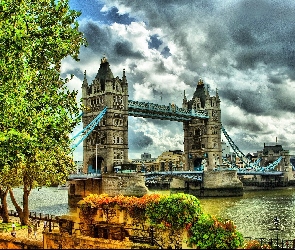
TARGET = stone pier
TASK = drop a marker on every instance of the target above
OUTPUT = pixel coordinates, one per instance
(128, 184)
(223, 183)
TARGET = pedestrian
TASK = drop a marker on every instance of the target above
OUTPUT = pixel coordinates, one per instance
(13, 226)
(29, 231)
(13, 233)
(35, 230)
(44, 225)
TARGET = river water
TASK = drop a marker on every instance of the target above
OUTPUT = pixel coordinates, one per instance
(253, 213)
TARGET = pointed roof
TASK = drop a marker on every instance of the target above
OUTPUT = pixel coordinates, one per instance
(104, 72)
(200, 93)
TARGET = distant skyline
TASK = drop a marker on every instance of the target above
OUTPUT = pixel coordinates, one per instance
(245, 49)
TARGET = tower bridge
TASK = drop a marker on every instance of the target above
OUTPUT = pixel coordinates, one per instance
(105, 141)
(107, 144)
(105, 125)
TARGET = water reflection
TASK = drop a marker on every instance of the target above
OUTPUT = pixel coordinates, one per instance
(253, 213)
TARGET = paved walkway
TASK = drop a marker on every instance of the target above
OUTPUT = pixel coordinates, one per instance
(23, 233)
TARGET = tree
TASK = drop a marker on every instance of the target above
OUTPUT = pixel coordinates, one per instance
(37, 109)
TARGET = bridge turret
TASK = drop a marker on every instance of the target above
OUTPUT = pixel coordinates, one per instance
(202, 138)
(124, 79)
(107, 145)
(184, 101)
(84, 89)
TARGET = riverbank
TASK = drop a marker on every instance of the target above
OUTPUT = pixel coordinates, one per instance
(255, 188)
(22, 239)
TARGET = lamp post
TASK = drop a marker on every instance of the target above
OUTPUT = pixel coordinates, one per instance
(96, 158)
(276, 222)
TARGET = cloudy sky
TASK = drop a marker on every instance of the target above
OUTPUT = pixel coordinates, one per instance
(244, 48)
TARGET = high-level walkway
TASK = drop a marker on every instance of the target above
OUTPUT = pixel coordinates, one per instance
(163, 112)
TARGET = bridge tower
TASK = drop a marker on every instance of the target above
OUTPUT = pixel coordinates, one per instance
(202, 137)
(107, 145)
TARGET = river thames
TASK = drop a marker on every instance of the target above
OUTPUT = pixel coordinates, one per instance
(253, 213)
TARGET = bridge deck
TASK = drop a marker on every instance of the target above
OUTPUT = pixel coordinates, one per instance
(181, 173)
(163, 112)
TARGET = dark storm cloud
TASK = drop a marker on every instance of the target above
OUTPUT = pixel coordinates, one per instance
(252, 101)
(98, 37)
(275, 79)
(246, 126)
(125, 49)
(101, 41)
(263, 31)
(244, 37)
(272, 100)
(138, 140)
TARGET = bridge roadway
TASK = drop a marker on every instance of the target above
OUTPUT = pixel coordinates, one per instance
(190, 175)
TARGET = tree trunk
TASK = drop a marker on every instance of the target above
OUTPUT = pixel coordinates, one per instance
(17, 207)
(26, 211)
(4, 206)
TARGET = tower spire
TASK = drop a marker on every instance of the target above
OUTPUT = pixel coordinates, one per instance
(85, 83)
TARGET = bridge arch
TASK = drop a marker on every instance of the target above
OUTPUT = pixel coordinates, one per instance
(95, 164)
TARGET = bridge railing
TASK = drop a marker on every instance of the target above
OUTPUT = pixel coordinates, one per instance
(84, 176)
(172, 108)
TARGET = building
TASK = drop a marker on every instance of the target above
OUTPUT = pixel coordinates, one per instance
(269, 154)
(171, 160)
(202, 137)
(107, 145)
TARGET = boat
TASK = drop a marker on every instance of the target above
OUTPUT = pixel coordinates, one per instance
(63, 186)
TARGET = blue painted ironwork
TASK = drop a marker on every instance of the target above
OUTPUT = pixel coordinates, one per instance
(150, 177)
(79, 115)
(163, 112)
(250, 166)
(256, 163)
(235, 148)
(89, 128)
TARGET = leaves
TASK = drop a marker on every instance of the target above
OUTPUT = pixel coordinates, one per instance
(36, 105)
(173, 212)
(210, 232)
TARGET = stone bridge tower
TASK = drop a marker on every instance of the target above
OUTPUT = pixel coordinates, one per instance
(107, 145)
(202, 138)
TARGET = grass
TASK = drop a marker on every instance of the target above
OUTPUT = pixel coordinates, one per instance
(6, 227)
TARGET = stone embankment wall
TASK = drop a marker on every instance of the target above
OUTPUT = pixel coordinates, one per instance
(80, 188)
(112, 228)
(129, 184)
(66, 241)
(9, 242)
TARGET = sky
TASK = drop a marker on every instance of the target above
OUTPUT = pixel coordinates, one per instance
(243, 48)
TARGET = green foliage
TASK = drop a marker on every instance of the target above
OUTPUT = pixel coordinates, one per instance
(209, 232)
(175, 211)
(37, 108)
